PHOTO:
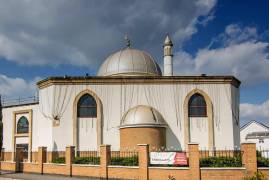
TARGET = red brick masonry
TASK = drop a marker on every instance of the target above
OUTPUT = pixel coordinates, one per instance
(143, 171)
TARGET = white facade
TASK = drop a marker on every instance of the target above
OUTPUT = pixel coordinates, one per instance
(255, 127)
(117, 99)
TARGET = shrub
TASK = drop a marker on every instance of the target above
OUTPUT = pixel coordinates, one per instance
(87, 160)
(125, 161)
(221, 162)
(262, 162)
(257, 176)
(59, 160)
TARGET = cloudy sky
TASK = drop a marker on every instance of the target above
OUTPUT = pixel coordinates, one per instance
(41, 38)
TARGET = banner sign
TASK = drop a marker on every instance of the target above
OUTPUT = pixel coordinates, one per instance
(175, 158)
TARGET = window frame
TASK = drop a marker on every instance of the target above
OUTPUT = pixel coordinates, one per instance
(17, 126)
(86, 106)
(203, 107)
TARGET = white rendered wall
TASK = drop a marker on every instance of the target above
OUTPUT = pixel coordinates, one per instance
(41, 127)
(167, 99)
(254, 127)
(22, 140)
(87, 138)
(199, 131)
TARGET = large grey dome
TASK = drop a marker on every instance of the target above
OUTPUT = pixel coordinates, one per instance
(129, 62)
(142, 115)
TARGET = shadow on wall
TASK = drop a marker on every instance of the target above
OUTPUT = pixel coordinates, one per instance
(55, 147)
(172, 141)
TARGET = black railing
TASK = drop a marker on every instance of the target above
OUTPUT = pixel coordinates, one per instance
(221, 158)
(56, 157)
(87, 157)
(124, 158)
(19, 101)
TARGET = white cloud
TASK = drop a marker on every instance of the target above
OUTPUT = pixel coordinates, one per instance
(237, 52)
(37, 32)
(258, 112)
(17, 87)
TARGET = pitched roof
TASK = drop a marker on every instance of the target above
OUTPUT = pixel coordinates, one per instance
(254, 121)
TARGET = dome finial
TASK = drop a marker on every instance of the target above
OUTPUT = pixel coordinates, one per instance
(128, 41)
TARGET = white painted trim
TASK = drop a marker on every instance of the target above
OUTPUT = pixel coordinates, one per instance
(129, 167)
(7, 162)
(170, 168)
(263, 168)
(223, 168)
(55, 164)
(29, 163)
(85, 165)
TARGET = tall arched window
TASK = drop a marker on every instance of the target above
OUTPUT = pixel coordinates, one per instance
(87, 106)
(197, 106)
(23, 125)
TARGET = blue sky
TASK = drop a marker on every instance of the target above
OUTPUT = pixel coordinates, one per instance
(54, 38)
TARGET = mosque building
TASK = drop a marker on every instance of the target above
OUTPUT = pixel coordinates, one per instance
(129, 102)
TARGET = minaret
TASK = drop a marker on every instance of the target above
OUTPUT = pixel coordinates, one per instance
(168, 57)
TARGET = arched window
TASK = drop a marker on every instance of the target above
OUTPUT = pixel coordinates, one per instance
(197, 106)
(23, 125)
(87, 106)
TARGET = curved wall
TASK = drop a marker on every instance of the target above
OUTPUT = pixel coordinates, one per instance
(131, 136)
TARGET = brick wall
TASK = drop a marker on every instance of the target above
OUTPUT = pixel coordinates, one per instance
(153, 136)
(265, 171)
(223, 173)
(8, 166)
(164, 173)
(143, 171)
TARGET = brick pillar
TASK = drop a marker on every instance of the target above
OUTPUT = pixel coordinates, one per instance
(104, 160)
(143, 159)
(249, 158)
(18, 158)
(69, 159)
(194, 161)
(42, 158)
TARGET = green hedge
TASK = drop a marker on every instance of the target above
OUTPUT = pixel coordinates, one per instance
(59, 160)
(262, 161)
(125, 161)
(87, 160)
(78, 160)
(221, 162)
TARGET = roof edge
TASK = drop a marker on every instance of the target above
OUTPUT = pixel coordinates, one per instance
(253, 121)
(137, 79)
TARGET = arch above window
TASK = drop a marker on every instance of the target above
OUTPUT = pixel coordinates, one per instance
(87, 107)
(197, 106)
(23, 125)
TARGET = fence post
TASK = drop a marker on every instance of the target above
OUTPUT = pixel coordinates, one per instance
(69, 158)
(42, 152)
(249, 158)
(104, 160)
(194, 160)
(18, 158)
(143, 159)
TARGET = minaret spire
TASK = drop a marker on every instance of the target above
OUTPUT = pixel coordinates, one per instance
(168, 56)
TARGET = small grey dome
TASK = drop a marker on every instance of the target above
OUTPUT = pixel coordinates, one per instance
(129, 62)
(142, 116)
